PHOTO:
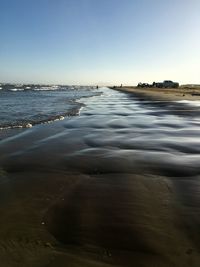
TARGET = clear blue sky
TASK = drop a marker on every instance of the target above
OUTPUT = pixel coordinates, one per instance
(97, 41)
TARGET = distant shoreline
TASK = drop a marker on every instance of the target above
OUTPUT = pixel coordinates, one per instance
(173, 94)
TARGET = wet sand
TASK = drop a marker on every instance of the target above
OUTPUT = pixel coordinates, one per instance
(116, 186)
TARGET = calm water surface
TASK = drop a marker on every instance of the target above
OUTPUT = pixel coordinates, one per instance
(161, 136)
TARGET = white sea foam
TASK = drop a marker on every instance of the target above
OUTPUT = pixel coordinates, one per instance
(79, 112)
(61, 118)
(16, 89)
(195, 103)
(42, 89)
(41, 112)
(11, 127)
(28, 125)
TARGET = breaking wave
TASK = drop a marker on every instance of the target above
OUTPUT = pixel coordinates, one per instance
(24, 108)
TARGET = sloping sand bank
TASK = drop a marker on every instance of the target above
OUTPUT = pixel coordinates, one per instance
(180, 93)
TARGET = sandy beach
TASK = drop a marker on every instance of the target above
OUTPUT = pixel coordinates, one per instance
(181, 93)
(116, 186)
(99, 133)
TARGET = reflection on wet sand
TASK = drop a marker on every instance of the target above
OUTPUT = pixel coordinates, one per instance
(116, 186)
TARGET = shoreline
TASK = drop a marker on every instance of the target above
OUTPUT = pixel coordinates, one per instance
(104, 189)
(163, 94)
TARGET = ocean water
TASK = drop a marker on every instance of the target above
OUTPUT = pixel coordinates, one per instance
(28, 105)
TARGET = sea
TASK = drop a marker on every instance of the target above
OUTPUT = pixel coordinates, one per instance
(22, 106)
